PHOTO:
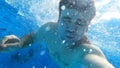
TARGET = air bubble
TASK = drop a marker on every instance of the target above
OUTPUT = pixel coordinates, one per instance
(63, 41)
(63, 7)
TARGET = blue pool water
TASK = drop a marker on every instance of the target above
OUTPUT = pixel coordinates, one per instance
(104, 34)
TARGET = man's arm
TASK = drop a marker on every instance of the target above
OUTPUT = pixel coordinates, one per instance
(94, 58)
(95, 61)
(11, 42)
(27, 39)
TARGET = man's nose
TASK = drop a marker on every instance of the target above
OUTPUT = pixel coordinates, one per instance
(71, 28)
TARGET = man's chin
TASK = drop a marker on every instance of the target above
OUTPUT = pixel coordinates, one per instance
(70, 41)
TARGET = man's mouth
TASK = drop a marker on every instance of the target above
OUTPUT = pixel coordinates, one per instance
(71, 36)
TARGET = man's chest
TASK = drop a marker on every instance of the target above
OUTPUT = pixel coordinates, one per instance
(64, 54)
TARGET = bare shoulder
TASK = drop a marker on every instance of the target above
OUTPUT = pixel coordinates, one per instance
(46, 27)
(45, 31)
(92, 49)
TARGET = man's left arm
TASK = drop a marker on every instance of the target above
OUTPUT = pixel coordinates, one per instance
(96, 61)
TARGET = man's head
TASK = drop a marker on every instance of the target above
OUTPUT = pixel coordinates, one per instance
(86, 6)
(74, 18)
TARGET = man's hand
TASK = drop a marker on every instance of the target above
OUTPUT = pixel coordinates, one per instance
(9, 43)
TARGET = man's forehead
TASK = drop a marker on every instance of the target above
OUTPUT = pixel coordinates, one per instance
(80, 5)
(88, 14)
(72, 12)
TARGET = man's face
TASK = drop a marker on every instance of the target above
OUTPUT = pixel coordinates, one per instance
(72, 25)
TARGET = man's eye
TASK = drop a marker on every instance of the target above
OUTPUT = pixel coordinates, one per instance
(67, 21)
(79, 23)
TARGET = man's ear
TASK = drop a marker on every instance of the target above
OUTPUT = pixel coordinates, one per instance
(88, 26)
(87, 29)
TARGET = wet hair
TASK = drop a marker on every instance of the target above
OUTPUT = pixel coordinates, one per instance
(86, 6)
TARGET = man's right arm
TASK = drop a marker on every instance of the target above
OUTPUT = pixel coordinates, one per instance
(11, 42)
(26, 40)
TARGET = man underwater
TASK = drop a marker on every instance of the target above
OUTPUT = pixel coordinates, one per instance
(66, 40)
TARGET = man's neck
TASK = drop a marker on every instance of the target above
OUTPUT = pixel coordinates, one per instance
(83, 40)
